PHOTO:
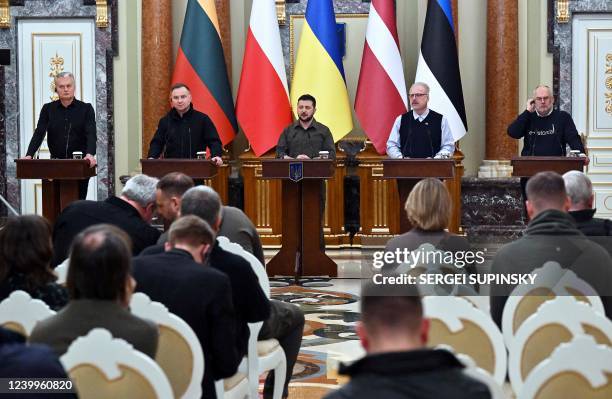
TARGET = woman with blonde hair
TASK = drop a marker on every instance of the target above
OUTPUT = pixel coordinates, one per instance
(428, 208)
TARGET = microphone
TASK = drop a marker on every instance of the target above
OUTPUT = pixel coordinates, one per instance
(533, 142)
(68, 138)
(408, 139)
(563, 152)
(189, 132)
(430, 142)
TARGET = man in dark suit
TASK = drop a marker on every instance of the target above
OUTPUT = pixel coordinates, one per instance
(282, 321)
(131, 212)
(200, 295)
(19, 361)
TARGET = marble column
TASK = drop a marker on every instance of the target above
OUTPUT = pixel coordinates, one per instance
(502, 77)
(156, 65)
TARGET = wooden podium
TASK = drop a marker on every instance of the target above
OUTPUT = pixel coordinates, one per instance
(194, 168)
(300, 253)
(60, 181)
(203, 169)
(529, 166)
(408, 172)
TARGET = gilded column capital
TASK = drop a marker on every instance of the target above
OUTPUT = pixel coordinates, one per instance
(5, 14)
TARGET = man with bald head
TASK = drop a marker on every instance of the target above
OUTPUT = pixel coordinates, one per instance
(545, 131)
(551, 236)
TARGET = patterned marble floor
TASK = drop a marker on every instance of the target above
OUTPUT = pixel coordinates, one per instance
(329, 334)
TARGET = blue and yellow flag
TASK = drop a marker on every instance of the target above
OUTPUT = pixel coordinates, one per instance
(319, 71)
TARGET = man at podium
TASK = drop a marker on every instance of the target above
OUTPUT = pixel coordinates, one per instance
(70, 126)
(545, 131)
(421, 132)
(183, 131)
(305, 138)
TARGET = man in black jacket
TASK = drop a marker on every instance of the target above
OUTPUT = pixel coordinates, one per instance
(580, 192)
(131, 212)
(397, 365)
(551, 236)
(282, 321)
(70, 126)
(183, 131)
(198, 294)
(545, 131)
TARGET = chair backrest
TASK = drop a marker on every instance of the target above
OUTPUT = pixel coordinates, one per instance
(20, 313)
(102, 367)
(459, 324)
(62, 271)
(256, 265)
(551, 280)
(179, 352)
(578, 369)
(556, 322)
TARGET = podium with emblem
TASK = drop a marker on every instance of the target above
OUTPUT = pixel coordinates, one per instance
(302, 184)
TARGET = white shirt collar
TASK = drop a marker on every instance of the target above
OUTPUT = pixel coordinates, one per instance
(549, 112)
(420, 117)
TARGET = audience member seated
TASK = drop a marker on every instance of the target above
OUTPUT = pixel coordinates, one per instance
(131, 212)
(200, 295)
(235, 225)
(551, 236)
(25, 259)
(428, 208)
(580, 192)
(19, 361)
(170, 189)
(397, 364)
(282, 321)
(100, 289)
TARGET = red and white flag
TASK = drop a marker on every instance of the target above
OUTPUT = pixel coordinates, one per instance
(263, 108)
(381, 91)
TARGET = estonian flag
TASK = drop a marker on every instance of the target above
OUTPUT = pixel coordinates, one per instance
(438, 66)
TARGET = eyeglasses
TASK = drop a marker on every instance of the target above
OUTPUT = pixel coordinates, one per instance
(416, 95)
(541, 99)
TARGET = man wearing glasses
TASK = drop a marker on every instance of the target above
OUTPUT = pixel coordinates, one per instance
(422, 132)
(545, 131)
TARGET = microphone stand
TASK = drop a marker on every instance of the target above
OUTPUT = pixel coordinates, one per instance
(8, 206)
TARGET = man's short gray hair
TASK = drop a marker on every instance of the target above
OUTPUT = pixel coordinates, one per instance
(140, 189)
(202, 201)
(578, 187)
(423, 85)
(65, 74)
(550, 92)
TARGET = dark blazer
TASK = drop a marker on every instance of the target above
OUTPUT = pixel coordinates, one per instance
(250, 301)
(415, 374)
(199, 295)
(18, 361)
(82, 315)
(80, 215)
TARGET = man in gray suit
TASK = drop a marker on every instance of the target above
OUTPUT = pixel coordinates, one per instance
(100, 288)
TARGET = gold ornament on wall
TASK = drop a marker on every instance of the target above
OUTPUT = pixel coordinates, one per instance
(5, 14)
(608, 84)
(57, 67)
(563, 14)
(281, 9)
(101, 14)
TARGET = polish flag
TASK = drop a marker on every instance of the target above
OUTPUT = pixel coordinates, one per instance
(262, 107)
(381, 92)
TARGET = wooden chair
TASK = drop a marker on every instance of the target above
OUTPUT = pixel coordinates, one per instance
(556, 322)
(551, 281)
(262, 355)
(20, 313)
(102, 367)
(179, 352)
(578, 369)
(459, 324)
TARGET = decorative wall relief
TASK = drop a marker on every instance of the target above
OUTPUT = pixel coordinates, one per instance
(608, 84)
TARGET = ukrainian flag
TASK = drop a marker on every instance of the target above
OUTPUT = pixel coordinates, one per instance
(319, 70)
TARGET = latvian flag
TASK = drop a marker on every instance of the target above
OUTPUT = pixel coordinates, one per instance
(381, 92)
(201, 66)
(438, 66)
